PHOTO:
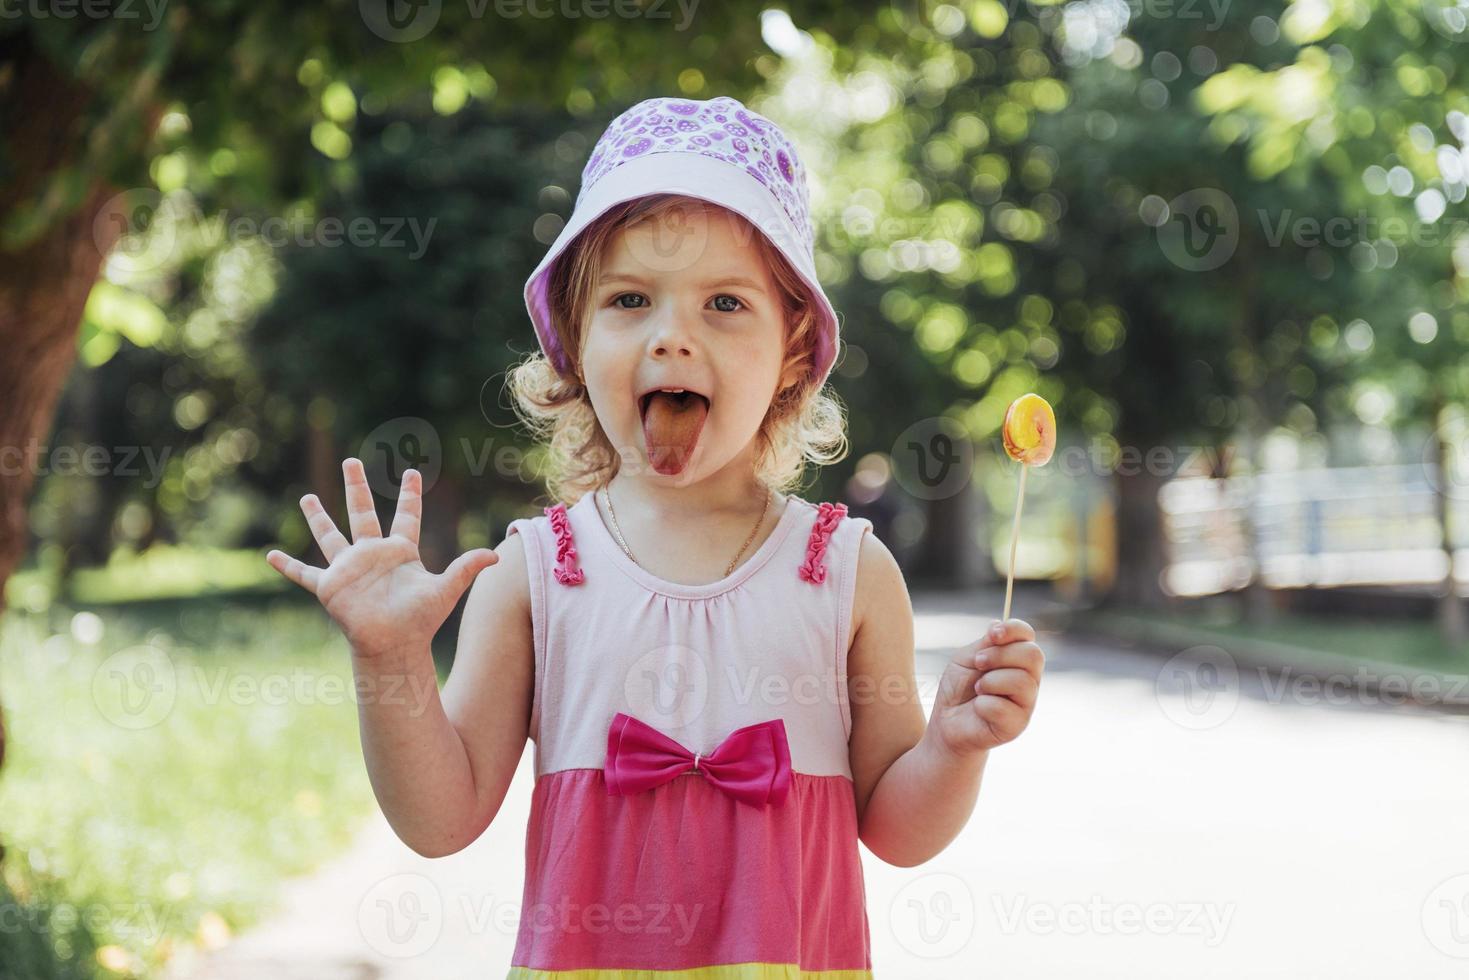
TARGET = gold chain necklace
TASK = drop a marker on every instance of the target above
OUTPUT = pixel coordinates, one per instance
(617, 532)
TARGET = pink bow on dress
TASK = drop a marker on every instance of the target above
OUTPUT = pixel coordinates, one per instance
(752, 764)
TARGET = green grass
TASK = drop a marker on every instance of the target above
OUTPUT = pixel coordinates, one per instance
(166, 767)
(163, 571)
(1403, 643)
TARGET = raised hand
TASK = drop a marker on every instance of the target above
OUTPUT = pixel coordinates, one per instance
(988, 691)
(376, 588)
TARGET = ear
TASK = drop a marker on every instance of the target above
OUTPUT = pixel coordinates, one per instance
(789, 378)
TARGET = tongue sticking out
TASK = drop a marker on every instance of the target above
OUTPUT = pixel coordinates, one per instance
(671, 427)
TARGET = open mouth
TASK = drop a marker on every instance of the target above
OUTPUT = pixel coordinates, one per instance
(673, 419)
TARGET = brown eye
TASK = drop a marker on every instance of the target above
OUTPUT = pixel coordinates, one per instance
(732, 299)
(618, 300)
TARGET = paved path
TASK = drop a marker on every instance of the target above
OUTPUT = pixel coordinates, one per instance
(1157, 819)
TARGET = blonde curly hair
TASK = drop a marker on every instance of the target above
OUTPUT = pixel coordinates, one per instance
(804, 424)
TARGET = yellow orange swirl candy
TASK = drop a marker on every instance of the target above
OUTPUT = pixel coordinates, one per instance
(1029, 431)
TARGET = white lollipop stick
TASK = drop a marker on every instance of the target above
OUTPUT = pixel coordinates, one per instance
(1014, 540)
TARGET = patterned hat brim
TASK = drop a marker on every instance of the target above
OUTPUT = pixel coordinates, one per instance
(697, 176)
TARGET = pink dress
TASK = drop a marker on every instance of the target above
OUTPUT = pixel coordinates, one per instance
(693, 816)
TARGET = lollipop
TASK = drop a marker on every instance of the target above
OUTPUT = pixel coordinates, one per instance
(1029, 434)
(1029, 430)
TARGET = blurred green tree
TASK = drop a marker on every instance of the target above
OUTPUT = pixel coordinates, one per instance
(223, 98)
(1124, 198)
(391, 334)
(1370, 100)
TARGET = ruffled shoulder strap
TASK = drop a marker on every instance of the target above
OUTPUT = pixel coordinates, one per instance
(568, 572)
(828, 516)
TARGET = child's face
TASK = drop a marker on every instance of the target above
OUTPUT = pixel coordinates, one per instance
(666, 314)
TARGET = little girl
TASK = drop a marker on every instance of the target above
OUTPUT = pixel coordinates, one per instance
(718, 676)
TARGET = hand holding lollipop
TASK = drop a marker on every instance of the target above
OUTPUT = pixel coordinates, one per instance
(1029, 434)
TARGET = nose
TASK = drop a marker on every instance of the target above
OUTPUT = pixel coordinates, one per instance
(668, 335)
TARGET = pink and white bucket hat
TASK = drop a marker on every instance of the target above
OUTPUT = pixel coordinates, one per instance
(716, 150)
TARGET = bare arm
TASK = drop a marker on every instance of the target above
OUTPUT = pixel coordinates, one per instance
(488, 693)
(440, 765)
(437, 786)
(917, 784)
(416, 761)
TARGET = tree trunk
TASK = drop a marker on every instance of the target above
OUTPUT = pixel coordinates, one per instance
(976, 564)
(946, 556)
(443, 508)
(1451, 619)
(1254, 401)
(44, 284)
(1258, 601)
(324, 472)
(1141, 553)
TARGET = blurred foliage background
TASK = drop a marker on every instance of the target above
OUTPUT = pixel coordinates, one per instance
(1227, 237)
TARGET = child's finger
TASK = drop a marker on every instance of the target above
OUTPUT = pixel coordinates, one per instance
(1004, 717)
(1026, 655)
(1018, 685)
(361, 512)
(1007, 631)
(462, 571)
(409, 517)
(294, 569)
(331, 541)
